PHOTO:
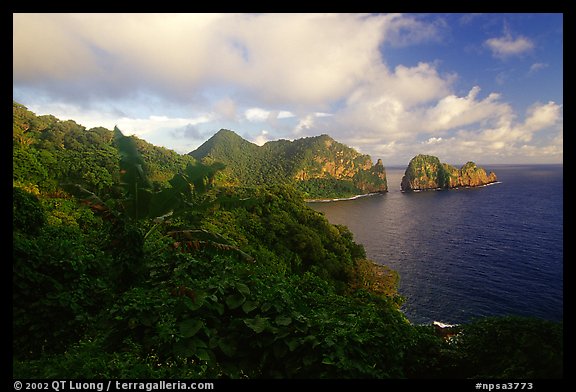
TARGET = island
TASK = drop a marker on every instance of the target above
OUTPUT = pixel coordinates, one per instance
(426, 172)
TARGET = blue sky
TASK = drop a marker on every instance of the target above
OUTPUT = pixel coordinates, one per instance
(481, 87)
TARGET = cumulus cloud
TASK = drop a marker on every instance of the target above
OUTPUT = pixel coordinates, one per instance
(275, 57)
(542, 116)
(389, 104)
(293, 74)
(452, 111)
(461, 128)
(507, 46)
(505, 138)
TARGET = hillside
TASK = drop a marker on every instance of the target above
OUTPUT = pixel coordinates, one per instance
(319, 166)
(48, 152)
(130, 262)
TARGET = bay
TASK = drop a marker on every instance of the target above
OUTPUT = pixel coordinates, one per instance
(489, 251)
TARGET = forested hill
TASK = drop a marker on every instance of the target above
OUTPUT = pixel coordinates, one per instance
(319, 166)
(130, 261)
(48, 151)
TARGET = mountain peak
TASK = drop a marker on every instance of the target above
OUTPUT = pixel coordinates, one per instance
(226, 133)
(221, 143)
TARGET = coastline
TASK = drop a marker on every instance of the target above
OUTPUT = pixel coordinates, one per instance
(342, 198)
(448, 189)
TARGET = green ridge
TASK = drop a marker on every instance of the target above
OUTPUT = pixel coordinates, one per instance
(131, 261)
(319, 166)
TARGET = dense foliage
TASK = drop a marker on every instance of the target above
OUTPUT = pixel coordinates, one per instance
(319, 166)
(48, 152)
(118, 276)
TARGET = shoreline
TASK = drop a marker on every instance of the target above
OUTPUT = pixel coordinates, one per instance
(448, 189)
(342, 198)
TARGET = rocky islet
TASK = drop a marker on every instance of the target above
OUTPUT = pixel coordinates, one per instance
(426, 172)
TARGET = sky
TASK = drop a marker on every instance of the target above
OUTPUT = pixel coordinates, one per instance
(486, 88)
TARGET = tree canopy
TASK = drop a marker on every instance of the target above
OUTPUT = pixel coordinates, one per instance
(131, 261)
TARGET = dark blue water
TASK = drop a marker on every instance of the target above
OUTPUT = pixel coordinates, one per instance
(494, 250)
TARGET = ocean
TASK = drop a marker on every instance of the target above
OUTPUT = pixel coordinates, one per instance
(472, 252)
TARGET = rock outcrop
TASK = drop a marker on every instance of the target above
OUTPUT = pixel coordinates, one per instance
(372, 180)
(426, 172)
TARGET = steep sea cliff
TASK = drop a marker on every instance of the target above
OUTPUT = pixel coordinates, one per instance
(426, 172)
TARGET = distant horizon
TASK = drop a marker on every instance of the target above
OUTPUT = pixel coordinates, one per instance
(237, 132)
(454, 85)
(374, 159)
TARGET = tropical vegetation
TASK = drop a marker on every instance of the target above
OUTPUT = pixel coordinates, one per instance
(132, 261)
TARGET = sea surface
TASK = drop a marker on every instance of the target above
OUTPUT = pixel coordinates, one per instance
(470, 252)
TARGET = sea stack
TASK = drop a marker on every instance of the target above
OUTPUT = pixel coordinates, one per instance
(426, 172)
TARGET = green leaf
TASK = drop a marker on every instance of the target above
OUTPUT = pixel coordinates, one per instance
(257, 324)
(203, 355)
(283, 320)
(327, 361)
(243, 288)
(190, 327)
(235, 300)
(249, 306)
(228, 346)
(198, 301)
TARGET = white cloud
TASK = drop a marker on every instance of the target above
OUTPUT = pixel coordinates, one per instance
(256, 114)
(537, 67)
(261, 115)
(506, 46)
(277, 58)
(261, 138)
(542, 116)
(434, 140)
(452, 111)
(153, 124)
(304, 124)
(293, 74)
(506, 139)
(391, 102)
